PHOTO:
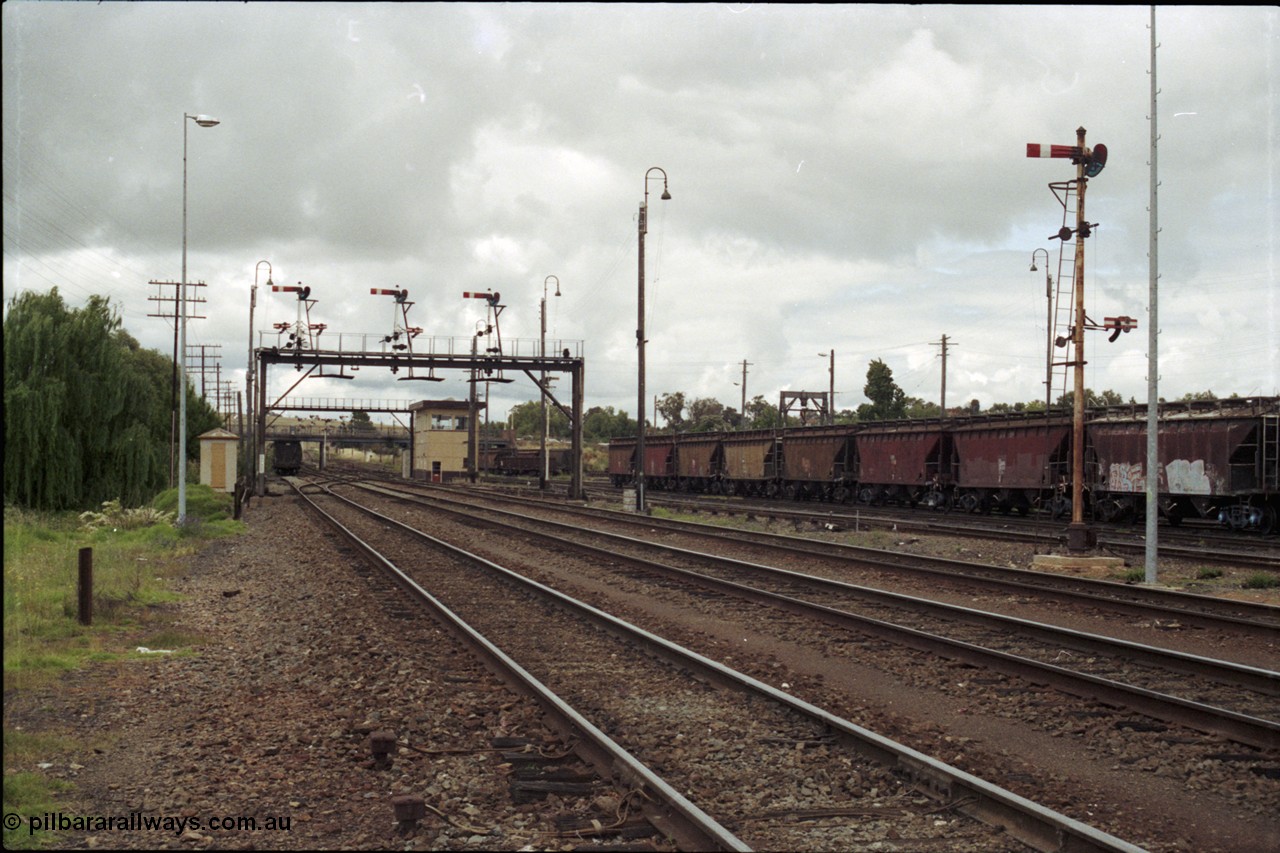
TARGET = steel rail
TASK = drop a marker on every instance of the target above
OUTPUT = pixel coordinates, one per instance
(1146, 601)
(1244, 728)
(682, 820)
(1029, 822)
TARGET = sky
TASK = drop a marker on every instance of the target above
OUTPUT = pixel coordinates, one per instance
(847, 178)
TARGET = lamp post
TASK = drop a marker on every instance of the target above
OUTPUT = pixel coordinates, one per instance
(203, 121)
(544, 470)
(643, 227)
(256, 467)
(1048, 329)
(831, 389)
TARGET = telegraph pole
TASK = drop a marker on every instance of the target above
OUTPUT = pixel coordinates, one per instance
(944, 344)
(176, 299)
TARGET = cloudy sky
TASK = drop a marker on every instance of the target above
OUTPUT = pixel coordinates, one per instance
(843, 177)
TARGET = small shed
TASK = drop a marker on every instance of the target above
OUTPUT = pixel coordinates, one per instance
(218, 459)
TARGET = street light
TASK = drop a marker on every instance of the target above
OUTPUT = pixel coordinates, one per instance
(643, 227)
(544, 471)
(256, 466)
(203, 121)
(1048, 352)
(831, 392)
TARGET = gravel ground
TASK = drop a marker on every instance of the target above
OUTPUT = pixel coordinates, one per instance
(270, 718)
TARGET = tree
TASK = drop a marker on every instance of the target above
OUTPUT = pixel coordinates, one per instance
(361, 420)
(762, 414)
(87, 411)
(603, 423)
(918, 408)
(1092, 399)
(888, 401)
(706, 414)
(671, 407)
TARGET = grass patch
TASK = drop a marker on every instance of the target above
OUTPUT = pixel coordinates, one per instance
(136, 553)
(1134, 576)
(1261, 580)
(28, 795)
(1208, 574)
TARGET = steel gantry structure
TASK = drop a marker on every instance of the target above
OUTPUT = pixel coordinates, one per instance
(483, 366)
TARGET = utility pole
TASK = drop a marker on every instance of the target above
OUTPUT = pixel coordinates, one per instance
(1153, 332)
(744, 390)
(176, 299)
(944, 344)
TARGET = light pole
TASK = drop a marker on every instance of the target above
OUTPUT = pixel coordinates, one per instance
(203, 121)
(544, 471)
(255, 467)
(1048, 351)
(643, 227)
(831, 389)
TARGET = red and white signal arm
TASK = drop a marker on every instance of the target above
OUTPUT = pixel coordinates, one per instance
(1035, 149)
(400, 295)
(1116, 325)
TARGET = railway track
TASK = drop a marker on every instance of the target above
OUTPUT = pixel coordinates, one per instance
(1214, 696)
(1196, 541)
(780, 771)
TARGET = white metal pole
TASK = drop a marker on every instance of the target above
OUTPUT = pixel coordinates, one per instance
(1153, 336)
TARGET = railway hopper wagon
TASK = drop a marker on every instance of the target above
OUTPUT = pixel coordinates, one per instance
(622, 462)
(1217, 460)
(286, 456)
(752, 463)
(1012, 463)
(699, 462)
(817, 463)
(660, 462)
(903, 462)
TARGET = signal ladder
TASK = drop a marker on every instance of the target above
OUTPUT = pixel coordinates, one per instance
(1064, 297)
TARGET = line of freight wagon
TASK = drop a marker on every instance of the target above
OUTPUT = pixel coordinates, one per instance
(1217, 459)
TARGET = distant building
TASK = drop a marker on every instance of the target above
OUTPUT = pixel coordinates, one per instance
(440, 439)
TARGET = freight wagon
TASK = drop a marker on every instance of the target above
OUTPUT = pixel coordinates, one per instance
(1218, 460)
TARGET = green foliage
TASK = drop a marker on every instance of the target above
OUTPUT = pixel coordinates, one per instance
(671, 408)
(761, 414)
(603, 423)
(1261, 580)
(116, 517)
(28, 795)
(203, 503)
(87, 410)
(888, 401)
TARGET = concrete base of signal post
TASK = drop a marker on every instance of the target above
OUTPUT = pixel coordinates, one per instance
(1059, 562)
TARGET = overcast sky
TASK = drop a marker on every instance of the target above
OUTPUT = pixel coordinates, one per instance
(842, 176)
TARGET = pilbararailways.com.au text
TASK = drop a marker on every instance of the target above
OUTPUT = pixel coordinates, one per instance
(139, 822)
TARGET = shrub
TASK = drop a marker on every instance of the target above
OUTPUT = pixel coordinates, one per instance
(1261, 580)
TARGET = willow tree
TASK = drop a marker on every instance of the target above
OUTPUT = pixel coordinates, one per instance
(86, 409)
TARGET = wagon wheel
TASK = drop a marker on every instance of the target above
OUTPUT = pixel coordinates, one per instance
(969, 502)
(1268, 522)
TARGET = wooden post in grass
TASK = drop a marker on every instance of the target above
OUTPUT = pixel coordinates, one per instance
(85, 587)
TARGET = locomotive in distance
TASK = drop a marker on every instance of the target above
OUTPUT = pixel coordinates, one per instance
(1217, 460)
